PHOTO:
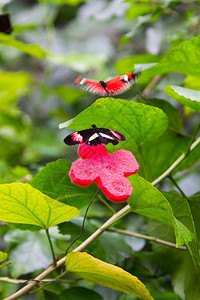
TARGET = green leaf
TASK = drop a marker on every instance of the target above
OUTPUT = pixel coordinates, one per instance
(33, 50)
(192, 82)
(139, 9)
(68, 94)
(54, 181)
(3, 256)
(190, 160)
(150, 202)
(127, 64)
(183, 58)
(174, 117)
(32, 248)
(21, 203)
(160, 154)
(139, 123)
(97, 271)
(194, 203)
(185, 96)
(183, 266)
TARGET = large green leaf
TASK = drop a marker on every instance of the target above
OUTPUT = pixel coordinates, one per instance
(185, 96)
(181, 265)
(150, 202)
(183, 58)
(54, 181)
(21, 203)
(139, 123)
(97, 271)
(34, 50)
(174, 117)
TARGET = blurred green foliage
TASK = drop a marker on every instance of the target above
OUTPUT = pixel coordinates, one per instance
(54, 41)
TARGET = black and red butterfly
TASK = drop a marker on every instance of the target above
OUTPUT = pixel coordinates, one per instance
(5, 25)
(94, 137)
(114, 86)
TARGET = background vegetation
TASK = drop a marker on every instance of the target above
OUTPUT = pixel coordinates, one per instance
(54, 41)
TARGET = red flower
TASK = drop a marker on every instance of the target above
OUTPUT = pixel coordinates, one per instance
(109, 171)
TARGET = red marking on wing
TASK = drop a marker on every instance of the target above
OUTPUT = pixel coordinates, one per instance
(94, 87)
(78, 80)
(117, 85)
(76, 137)
(116, 134)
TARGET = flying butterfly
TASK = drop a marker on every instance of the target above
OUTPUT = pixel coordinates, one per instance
(114, 86)
(5, 25)
(95, 136)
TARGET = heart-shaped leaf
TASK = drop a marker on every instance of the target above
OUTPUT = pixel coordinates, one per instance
(54, 181)
(150, 202)
(21, 203)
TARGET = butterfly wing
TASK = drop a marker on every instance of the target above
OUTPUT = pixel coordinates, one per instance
(90, 85)
(110, 136)
(94, 137)
(78, 137)
(121, 83)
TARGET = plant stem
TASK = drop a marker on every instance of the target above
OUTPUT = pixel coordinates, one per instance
(178, 187)
(51, 246)
(99, 231)
(151, 85)
(106, 204)
(5, 264)
(146, 237)
(83, 225)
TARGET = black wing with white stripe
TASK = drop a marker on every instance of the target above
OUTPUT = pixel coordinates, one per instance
(95, 136)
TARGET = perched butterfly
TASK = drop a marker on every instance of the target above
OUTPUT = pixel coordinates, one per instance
(5, 25)
(94, 137)
(114, 86)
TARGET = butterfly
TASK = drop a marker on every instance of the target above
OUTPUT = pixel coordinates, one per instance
(114, 86)
(95, 136)
(5, 25)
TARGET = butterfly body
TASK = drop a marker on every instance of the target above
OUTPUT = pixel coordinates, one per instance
(95, 136)
(114, 86)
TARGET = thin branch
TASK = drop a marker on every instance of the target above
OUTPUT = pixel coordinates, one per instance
(25, 178)
(151, 85)
(99, 231)
(147, 237)
(175, 164)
